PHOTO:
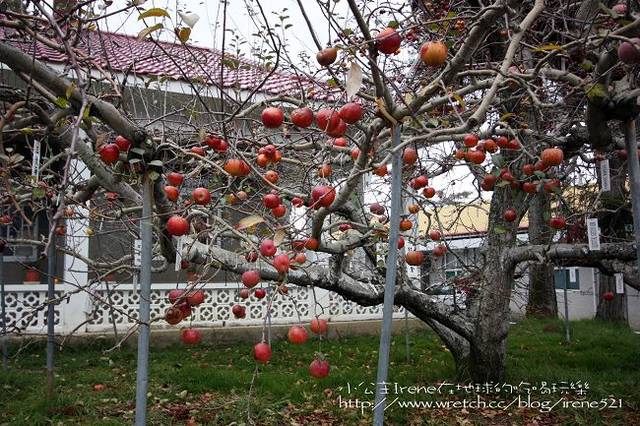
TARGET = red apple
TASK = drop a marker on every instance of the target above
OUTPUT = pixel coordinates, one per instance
(388, 41)
(341, 142)
(470, 140)
(327, 56)
(297, 335)
(267, 248)
(110, 153)
(414, 258)
(123, 143)
(173, 316)
(237, 167)
(260, 293)
(409, 156)
(195, 298)
(510, 215)
(629, 53)
(351, 112)
(439, 250)
(272, 117)
(262, 352)
(557, 222)
(239, 311)
(198, 150)
(271, 201)
(174, 295)
(171, 192)
(311, 244)
(433, 53)
(319, 368)
(272, 176)
(435, 235)
(552, 157)
(177, 226)
(429, 192)
(319, 326)
(281, 263)
(250, 278)
(302, 117)
(201, 196)
(279, 211)
(322, 196)
(175, 179)
(190, 336)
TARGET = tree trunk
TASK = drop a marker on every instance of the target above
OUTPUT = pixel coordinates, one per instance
(610, 310)
(489, 307)
(542, 301)
(613, 224)
(487, 351)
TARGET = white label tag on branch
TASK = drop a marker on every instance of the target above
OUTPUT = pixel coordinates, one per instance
(605, 176)
(137, 252)
(593, 233)
(35, 160)
(572, 274)
(619, 283)
(179, 247)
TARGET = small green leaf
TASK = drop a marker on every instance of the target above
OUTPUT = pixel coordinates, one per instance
(61, 102)
(70, 90)
(38, 192)
(461, 101)
(596, 92)
(156, 163)
(548, 47)
(153, 175)
(393, 24)
(503, 183)
(332, 83)
(500, 229)
(154, 12)
(506, 116)
(540, 174)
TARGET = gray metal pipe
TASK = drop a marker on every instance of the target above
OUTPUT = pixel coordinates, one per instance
(142, 373)
(390, 282)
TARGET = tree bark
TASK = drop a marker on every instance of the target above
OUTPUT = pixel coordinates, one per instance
(542, 301)
(610, 310)
(489, 308)
(613, 223)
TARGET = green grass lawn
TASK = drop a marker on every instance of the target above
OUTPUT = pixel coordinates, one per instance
(210, 385)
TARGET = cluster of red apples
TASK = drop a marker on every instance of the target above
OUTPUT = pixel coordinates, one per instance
(298, 335)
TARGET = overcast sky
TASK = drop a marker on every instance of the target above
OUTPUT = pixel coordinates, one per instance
(208, 30)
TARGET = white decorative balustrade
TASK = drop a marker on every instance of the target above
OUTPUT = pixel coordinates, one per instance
(102, 306)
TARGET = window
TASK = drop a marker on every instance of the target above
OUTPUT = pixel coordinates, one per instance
(563, 276)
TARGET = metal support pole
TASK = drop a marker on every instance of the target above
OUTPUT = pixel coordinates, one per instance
(567, 332)
(5, 349)
(146, 231)
(390, 281)
(634, 180)
(51, 272)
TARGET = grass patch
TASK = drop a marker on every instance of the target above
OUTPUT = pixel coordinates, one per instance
(210, 385)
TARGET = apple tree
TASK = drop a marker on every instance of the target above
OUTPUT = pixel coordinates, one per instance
(509, 100)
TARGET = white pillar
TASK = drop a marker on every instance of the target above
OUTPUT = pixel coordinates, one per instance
(75, 311)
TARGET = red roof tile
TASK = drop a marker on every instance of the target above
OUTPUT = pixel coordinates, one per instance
(127, 54)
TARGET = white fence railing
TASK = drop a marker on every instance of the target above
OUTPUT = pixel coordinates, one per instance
(101, 307)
